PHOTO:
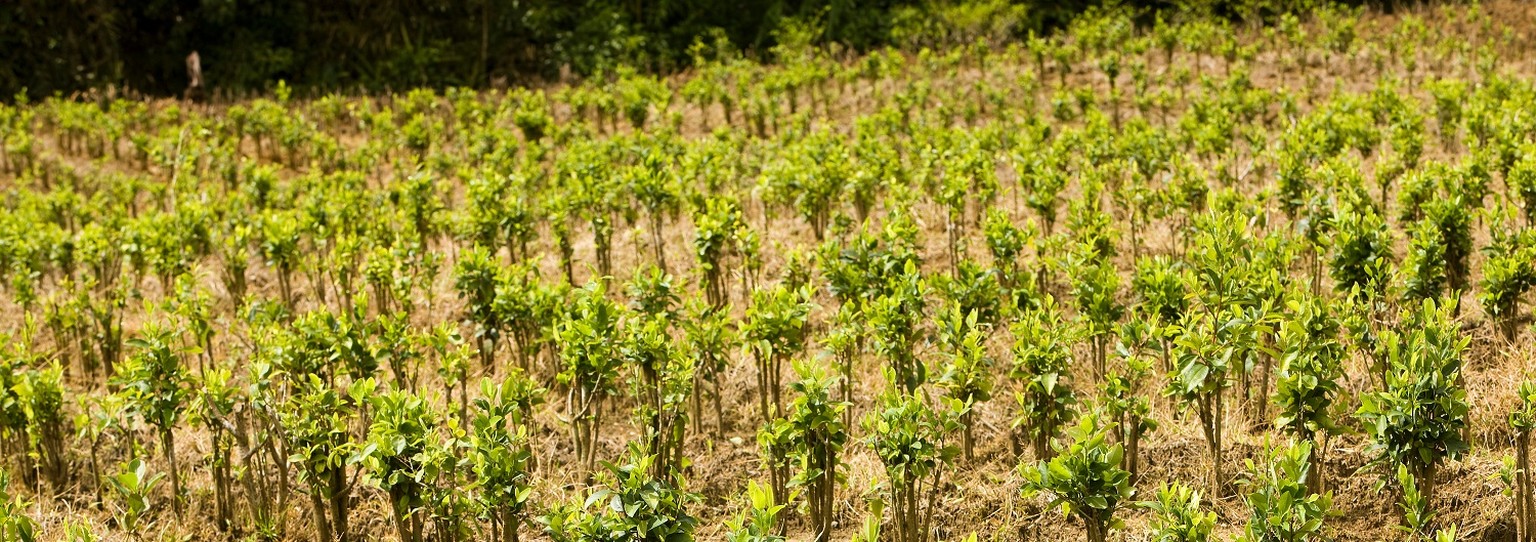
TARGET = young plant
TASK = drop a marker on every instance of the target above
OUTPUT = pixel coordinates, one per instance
(1424, 266)
(1418, 517)
(500, 452)
(317, 419)
(974, 290)
(893, 321)
(655, 188)
(1522, 421)
(1522, 183)
(1307, 384)
(214, 409)
(1281, 507)
(1362, 249)
(476, 276)
(967, 376)
(132, 484)
(155, 384)
(1041, 371)
(911, 438)
(1452, 219)
(776, 330)
(759, 522)
(402, 458)
(1095, 288)
(845, 342)
(1202, 368)
(663, 382)
(40, 394)
(1084, 479)
(717, 222)
(1122, 401)
(1177, 516)
(815, 435)
(1419, 416)
(634, 506)
(1508, 273)
(710, 337)
(1006, 242)
(280, 236)
(15, 524)
(589, 339)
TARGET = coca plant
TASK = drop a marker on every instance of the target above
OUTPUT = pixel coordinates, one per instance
(1041, 372)
(1419, 416)
(40, 395)
(710, 336)
(589, 339)
(663, 382)
(1522, 420)
(1308, 381)
(404, 456)
(911, 438)
(155, 384)
(1203, 368)
(1095, 287)
(894, 321)
(1281, 507)
(759, 521)
(1121, 400)
(1177, 515)
(813, 435)
(967, 375)
(630, 504)
(317, 420)
(476, 276)
(15, 524)
(1084, 478)
(775, 331)
(500, 452)
(1508, 273)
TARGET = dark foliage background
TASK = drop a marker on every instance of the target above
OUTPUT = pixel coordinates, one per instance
(49, 46)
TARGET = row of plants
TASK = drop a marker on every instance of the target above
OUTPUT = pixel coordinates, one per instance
(1120, 231)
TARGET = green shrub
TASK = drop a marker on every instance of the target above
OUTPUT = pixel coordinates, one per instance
(1041, 371)
(1280, 507)
(155, 385)
(631, 505)
(1308, 381)
(1084, 479)
(1177, 515)
(911, 438)
(1418, 417)
(967, 376)
(14, 522)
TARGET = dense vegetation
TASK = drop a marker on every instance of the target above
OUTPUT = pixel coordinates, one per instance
(1184, 280)
(246, 46)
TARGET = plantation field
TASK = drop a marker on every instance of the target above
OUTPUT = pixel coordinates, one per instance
(1165, 277)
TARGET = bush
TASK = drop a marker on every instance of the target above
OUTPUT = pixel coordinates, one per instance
(1041, 370)
(14, 522)
(1177, 516)
(1084, 479)
(815, 435)
(1307, 384)
(911, 437)
(633, 506)
(1419, 416)
(154, 382)
(1281, 508)
(968, 375)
